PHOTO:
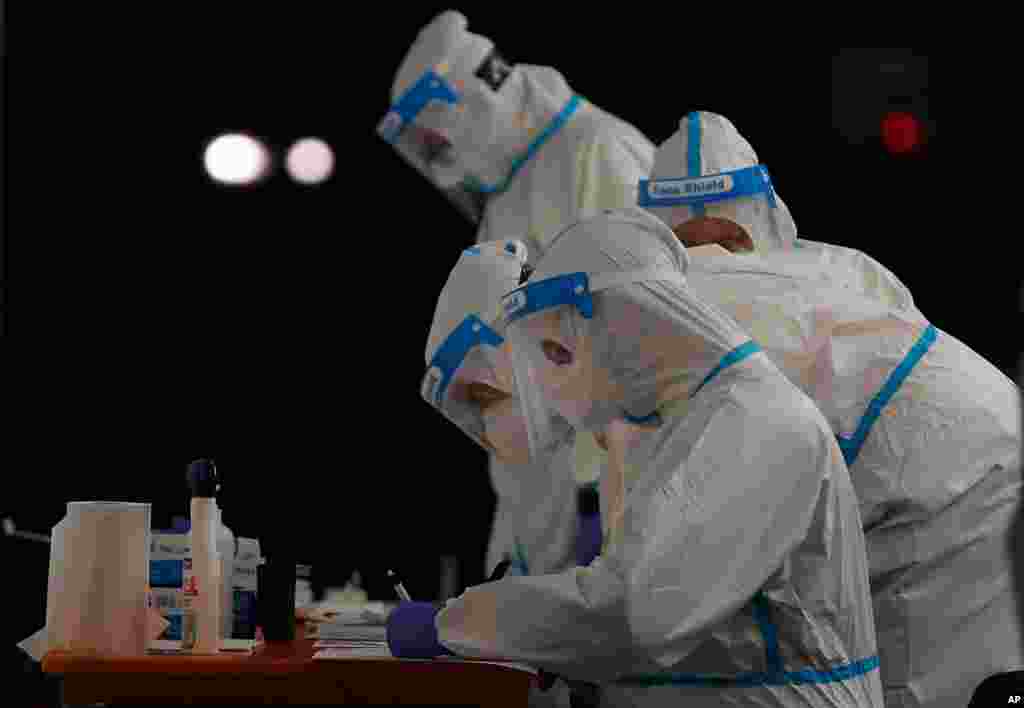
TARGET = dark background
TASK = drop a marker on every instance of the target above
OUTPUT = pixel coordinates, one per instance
(281, 328)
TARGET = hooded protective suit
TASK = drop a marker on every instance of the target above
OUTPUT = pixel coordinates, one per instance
(522, 156)
(931, 433)
(734, 570)
(709, 144)
(463, 349)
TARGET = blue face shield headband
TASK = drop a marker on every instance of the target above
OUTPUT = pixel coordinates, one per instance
(523, 307)
(696, 192)
(417, 128)
(440, 387)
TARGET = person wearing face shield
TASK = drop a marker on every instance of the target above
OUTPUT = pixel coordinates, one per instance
(520, 154)
(928, 427)
(709, 187)
(733, 570)
(931, 434)
(469, 381)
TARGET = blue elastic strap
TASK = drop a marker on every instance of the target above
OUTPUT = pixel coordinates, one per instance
(690, 191)
(429, 87)
(652, 419)
(774, 676)
(734, 357)
(449, 357)
(569, 289)
(552, 128)
(472, 251)
(850, 447)
(693, 141)
(771, 638)
(753, 679)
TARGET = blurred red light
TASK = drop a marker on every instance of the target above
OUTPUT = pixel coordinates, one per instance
(901, 133)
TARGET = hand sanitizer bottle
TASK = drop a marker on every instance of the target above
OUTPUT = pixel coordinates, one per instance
(203, 588)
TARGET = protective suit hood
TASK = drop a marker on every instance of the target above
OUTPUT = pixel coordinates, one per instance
(709, 144)
(503, 109)
(645, 340)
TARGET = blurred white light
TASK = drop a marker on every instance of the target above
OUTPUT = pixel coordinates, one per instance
(236, 159)
(310, 161)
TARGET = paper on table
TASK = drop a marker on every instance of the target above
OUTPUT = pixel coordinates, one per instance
(368, 613)
(347, 631)
(370, 650)
(173, 646)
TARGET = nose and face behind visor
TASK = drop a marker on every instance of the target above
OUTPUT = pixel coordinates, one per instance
(550, 329)
(420, 127)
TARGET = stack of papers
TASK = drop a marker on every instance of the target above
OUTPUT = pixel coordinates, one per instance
(365, 613)
(344, 632)
(173, 646)
(352, 649)
(337, 622)
(350, 631)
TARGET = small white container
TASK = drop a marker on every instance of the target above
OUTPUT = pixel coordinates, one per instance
(202, 590)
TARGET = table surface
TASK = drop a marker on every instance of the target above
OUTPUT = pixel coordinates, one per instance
(282, 673)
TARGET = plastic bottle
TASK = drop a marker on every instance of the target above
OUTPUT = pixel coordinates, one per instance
(204, 588)
(226, 550)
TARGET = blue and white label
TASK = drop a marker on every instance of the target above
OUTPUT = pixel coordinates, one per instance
(695, 187)
(694, 191)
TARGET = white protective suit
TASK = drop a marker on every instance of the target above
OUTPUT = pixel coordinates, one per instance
(536, 157)
(734, 573)
(462, 349)
(931, 432)
(707, 144)
(462, 342)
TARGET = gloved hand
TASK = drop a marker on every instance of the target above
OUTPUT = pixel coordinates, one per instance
(588, 539)
(411, 631)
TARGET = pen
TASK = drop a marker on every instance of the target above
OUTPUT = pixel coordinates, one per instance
(11, 530)
(399, 588)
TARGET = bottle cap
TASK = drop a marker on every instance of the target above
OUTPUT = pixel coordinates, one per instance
(202, 478)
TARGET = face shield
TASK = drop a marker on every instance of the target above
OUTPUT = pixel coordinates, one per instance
(553, 344)
(423, 127)
(466, 359)
(470, 382)
(744, 197)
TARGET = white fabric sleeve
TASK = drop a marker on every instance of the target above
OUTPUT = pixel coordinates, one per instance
(695, 550)
(743, 501)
